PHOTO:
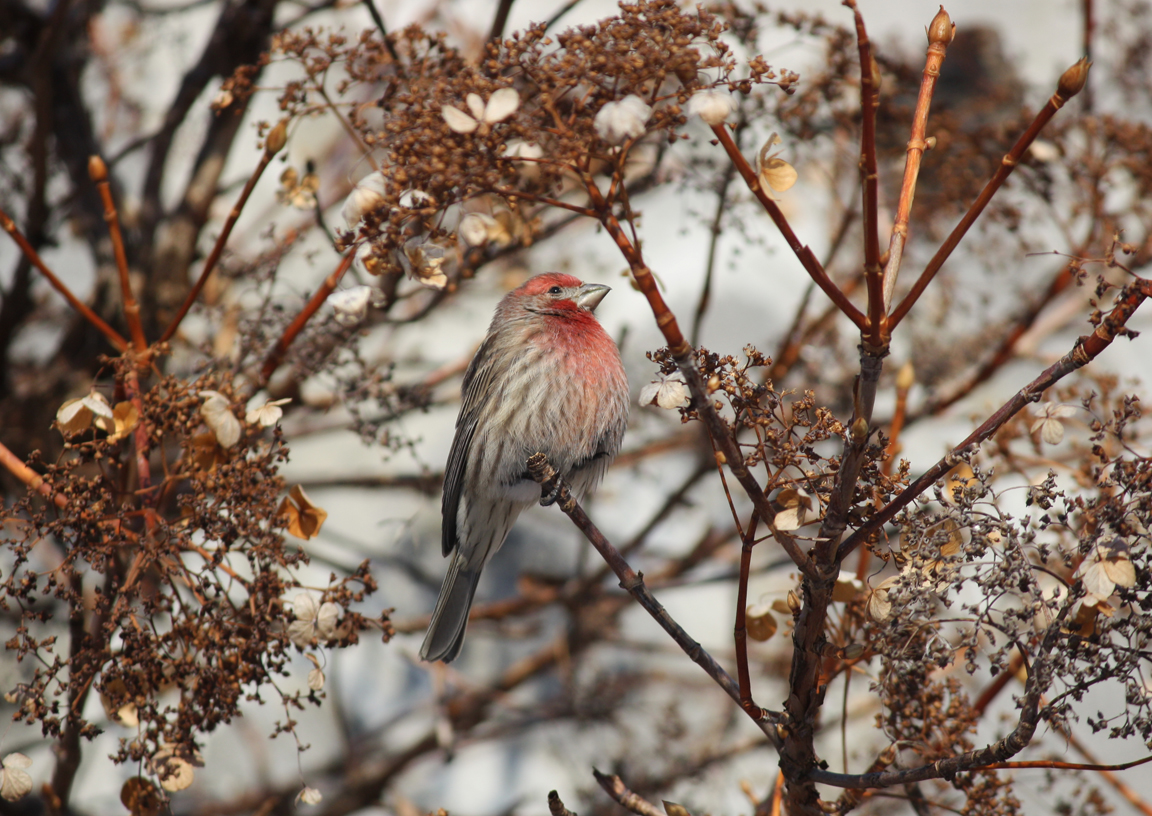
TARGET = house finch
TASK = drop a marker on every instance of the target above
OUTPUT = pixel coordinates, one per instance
(547, 379)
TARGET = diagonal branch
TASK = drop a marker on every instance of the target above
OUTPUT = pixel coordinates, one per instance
(1086, 349)
(1071, 82)
(552, 485)
(803, 252)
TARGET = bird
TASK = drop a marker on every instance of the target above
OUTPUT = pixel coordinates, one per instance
(546, 379)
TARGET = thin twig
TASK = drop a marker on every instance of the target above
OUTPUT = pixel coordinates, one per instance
(272, 145)
(1086, 349)
(1071, 82)
(803, 252)
(552, 484)
(940, 33)
(614, 786)
(98, 172)
(114, 337)
(876, 332)
(276, 356)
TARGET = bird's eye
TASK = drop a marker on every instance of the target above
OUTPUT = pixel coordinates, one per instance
(555, 290)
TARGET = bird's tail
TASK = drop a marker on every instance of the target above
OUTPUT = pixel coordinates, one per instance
(446, 631)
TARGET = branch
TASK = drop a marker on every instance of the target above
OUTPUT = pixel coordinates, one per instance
(276, 356)
(98, 172)
(1069, 85)
(113, 336)
(272, 145)
(940, 33)
(877, 333)
(803, 253)
(1086, 349)
(553, 488)
(614, 786)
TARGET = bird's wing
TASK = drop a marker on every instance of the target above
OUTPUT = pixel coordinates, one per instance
(476, 391)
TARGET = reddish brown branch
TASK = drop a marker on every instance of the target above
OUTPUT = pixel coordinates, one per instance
(1067, 766)
(28, 476)
(98, 172)
(276, 356)
(803, 253)
(940, 33)
(32, 255)
(1070, 84)
(740, 633)
(272, 145)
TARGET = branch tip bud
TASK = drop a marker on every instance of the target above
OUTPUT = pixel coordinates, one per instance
(277, 138)
(941, 30)
(1072, 81)
(97, 169)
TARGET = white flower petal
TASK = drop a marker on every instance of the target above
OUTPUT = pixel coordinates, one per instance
(475, 228)
(458, 120)
(15, 782)
(502, 104)
(176, 774)
(1120, 571)
(1096, 580)
(305, 607)
(476, 106)
(267, 414)
(624, 119)
(1051, 431)
(714, 107)
(218, 416)
(96, 403)
(366, 196)
(316, 679)
(351, 305)
(327, 618)
(523, 150)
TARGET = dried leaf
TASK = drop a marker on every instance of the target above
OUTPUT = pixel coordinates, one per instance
(304, 519)
(141, 797)
(759, 622)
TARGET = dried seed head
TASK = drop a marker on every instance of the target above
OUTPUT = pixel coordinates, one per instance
(277, 138)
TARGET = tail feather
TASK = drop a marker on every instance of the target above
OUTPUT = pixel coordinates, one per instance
(446, 631)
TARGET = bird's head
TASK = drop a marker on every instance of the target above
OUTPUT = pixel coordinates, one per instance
(558, 295)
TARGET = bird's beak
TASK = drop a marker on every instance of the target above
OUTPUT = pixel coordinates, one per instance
(589, 295)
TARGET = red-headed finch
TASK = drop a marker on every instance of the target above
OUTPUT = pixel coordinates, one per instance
(547, 379)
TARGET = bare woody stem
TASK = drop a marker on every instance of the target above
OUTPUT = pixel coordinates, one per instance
(276, 356)
(614, 786)
(802, 252)
(1071, 82)
(729, 450)
(98, 172)
(552, 485)
(275, 142)
(29, 477)
(940, 34)
(876, 333)
(1086, 349)
(740, 635)
(114, 337)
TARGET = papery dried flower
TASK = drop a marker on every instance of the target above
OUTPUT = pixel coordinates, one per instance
(268, 414)
(15, 782)
(759, 622)
(77, 414)
(714, 107)
(316, 677)
(366, 196)
(304, 519)
(423, 262)
(297, 191)
(799, 509)
(502, 104)
(1048, 424)
(624, 119)
(669, 392)
(773, 172)
(416, 199)
(175, 772)
(475, 229)
(351, 305)
(312, 620)
(1107, 567)
(309, 796)
(879, 606)
(218, 416)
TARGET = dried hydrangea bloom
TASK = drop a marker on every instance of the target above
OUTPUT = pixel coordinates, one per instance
(714, 107)
(626, 119)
